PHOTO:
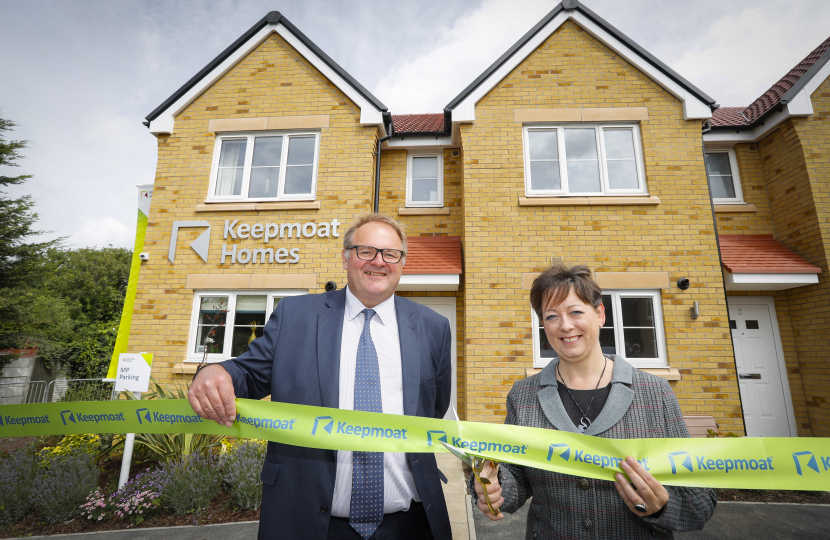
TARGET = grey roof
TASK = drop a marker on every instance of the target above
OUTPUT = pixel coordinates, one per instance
(574, 5)
(273, 17)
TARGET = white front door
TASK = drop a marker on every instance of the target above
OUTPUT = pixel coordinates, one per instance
(761, 375)
(445, 305)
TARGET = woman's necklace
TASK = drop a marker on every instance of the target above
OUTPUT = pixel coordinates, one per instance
(583, 422)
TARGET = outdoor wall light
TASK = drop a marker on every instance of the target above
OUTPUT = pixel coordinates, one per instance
(330, 286)
(683, 283)
(695, 309)
(144, 256)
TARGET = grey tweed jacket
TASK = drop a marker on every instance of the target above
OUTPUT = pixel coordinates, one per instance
(640, 405)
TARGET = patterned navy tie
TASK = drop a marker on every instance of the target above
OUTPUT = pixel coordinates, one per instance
(366, 512)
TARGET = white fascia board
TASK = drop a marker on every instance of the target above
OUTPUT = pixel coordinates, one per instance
(693, 108)
(801, 104)
(818, 79)
(165, 122)
(429, 282)
(464, 112)
(729, 135)
(768, 282)
(369, 115)
(417, 142)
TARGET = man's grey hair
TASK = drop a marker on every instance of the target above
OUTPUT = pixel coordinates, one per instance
(373, 218)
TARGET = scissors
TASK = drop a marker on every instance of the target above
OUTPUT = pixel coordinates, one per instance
(477, 465)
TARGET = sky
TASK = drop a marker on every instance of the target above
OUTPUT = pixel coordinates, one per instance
(78, 77)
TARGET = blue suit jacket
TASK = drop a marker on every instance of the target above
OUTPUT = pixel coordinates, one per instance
(297, 360)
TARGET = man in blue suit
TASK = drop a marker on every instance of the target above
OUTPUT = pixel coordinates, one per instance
(346, 349)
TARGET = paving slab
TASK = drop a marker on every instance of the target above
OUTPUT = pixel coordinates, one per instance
(244, 530)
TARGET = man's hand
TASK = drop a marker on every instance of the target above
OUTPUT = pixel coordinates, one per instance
(493, 491)
(644, 490)
(211, 395)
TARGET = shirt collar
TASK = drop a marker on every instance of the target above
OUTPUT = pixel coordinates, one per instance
(385, 311)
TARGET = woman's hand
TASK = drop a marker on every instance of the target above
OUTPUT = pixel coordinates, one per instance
(493, 491)
(648, 492)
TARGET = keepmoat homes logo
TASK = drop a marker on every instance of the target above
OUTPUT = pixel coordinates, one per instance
(263, 232)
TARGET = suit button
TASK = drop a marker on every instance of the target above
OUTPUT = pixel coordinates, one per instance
(587, 523)
(324, 508)
(534, 535)
(584, 485)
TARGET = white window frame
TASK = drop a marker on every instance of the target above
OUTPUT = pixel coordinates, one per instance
(662, 359)
(232, 294)
(440, 164)
(249, 158)
(736, 179)
(563, 172)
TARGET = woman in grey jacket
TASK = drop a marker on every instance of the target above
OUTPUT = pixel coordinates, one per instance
(586, 391)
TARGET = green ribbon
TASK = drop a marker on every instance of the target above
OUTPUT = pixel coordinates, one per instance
(745, 463)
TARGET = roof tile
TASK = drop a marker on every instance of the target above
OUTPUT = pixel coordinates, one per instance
(418, 123)
(433, 255)
(761, 254)
(728, 116)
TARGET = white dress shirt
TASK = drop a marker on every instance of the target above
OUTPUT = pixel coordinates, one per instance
(398, 485)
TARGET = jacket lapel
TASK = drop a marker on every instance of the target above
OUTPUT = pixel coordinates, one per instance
(619, 399)
(408, 322)
(329, 336)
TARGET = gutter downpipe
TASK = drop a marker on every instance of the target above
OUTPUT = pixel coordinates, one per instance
(387, 121)
(706, 129)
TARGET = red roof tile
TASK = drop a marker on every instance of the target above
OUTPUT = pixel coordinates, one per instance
(433, 255)
(761, 254)
(418, 123)
(728, 116)
(771, 97)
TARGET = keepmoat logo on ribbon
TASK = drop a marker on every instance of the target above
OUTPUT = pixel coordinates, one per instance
(327, 427)
(10, 421)
(581, 456)
(436, 436)
(268, 423)
(345, 428)
(489, 446)
(808, 459)
(707, 464)
(79, 418)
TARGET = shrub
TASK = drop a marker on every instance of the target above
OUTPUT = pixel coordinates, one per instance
(139, 498)
(63, 485)
(17, 470)
(241, 463)
(190, 483)
(96, 507)
(88, 443)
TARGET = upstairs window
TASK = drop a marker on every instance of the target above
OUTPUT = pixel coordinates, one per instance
(722, 168)
(583, 160)
(633, 329)
(265, 167)
(425, 180)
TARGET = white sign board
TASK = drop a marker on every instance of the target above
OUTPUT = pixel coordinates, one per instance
(133, 372)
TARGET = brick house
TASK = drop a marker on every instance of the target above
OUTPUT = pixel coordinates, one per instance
(576, 145)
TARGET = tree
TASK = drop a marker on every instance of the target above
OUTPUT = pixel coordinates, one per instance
(20, 263)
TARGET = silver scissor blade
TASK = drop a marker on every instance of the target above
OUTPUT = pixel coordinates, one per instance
(463, 456)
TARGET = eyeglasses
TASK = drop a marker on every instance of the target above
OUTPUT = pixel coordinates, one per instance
(368, 253)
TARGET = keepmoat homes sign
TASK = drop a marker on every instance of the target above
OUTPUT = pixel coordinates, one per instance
(263, 232)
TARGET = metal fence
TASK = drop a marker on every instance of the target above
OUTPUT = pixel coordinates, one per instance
(80, 390)
(17, 393)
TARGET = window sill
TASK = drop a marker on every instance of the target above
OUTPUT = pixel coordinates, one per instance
(424, 211)
(735, 208)
(257, 206)
(665, 373)
(589, 201)
(186, 368)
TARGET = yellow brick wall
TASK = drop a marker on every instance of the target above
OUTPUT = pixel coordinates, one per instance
(502, 240)
(796, 167)
(272, 80)
(753, 185)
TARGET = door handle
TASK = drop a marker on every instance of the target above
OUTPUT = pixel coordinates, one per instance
(749, 375)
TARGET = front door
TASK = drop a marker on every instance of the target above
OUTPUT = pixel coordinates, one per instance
(760, 375)
(445, 305)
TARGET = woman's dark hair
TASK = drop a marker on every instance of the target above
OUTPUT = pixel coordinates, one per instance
(554, 284)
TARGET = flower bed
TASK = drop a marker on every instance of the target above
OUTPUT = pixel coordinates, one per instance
(63, 489)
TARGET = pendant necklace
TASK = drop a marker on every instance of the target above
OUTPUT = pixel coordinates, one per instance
(583, 422)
